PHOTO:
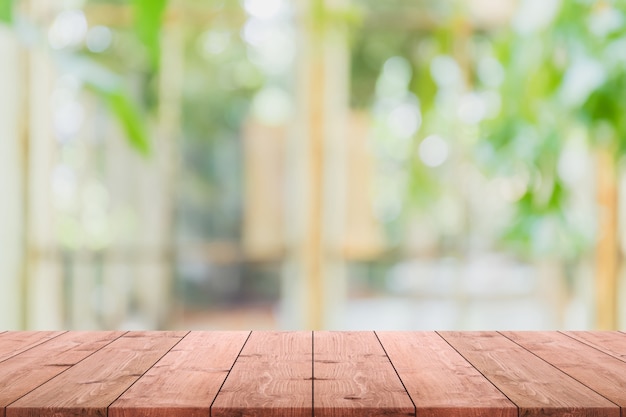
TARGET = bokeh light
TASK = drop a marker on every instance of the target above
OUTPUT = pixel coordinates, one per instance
(98, 39)
(68, 29)
(433, 151)
(263, 9)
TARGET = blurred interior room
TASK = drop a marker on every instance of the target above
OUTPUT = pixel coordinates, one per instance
(312, 164)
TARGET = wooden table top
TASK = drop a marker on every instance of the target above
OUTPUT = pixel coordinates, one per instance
(294, 374)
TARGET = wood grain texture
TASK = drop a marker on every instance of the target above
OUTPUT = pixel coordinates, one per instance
(611, 343)
(354, 377)
(535, 386)
(22, 373)
(441, 382)
(271, 377)
(186, 380)
(157, 374)
(13, 343)
(89, 387)
(602, 373)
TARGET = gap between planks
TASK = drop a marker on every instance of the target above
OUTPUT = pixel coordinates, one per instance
(602, 373)
(533, 384)
(396, 371)
(199, 364)
(271, 375)
(604, 348)
(23, 341)
(355, 375)
(23, 373)
(604, 341)
(89, 387)
(439, 381)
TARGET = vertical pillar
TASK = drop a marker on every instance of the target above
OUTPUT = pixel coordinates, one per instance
(314, 278)
(335, 178)
(11, 182)
(42, 306)
(607, 261)
(313, 243)
(45, 297)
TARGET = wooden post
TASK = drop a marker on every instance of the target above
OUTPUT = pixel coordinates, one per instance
(607, 261)
(313, 238)
(42, 284)
(314, 281)
(171, 80)
(45, 288)
(264, 211)
(463, 32)
(335, 178)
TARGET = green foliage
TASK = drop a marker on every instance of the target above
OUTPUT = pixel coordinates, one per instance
(148, 17)
(538, 111)
(6, 11)
(147, 23)
(605, 109)
(538, 116)
(541, 228)
(370, 50)
(422, 82)
(104, 83)
(323, 17)
(130, 120)
(526, 140)
(111, 90)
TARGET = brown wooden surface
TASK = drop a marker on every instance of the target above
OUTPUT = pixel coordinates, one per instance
(22, 373)
(89, 387)
(354, 377)
(14, 343)
(319, 374)
(441, 382)
(602, 373)
(612, 343)
(271, 377)
(186, 380)
(535, 386)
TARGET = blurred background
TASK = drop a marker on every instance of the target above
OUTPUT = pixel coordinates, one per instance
(312, 164)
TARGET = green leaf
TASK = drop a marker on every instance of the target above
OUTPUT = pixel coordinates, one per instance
(148, 17)
(130, 120)
(6, 11)
(109, 87)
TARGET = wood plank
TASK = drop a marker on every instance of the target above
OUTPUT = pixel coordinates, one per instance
(354, 377)
(611, 343)
(89, 387)
(13, 343)
(186, 380)
(534, 385)
(22, 373)
(441, 382)
(601, 372)
(271, 377)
